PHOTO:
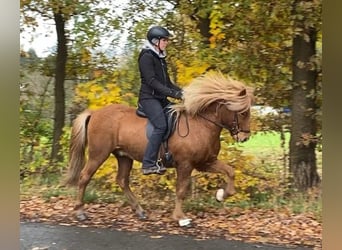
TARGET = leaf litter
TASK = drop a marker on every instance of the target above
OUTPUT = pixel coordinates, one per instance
(250, 225)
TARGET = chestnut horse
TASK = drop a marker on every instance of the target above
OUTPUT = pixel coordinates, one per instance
(211, 103)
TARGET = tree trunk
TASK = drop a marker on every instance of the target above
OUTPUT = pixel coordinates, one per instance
(204, 27)
(303, 123)
(59, 115)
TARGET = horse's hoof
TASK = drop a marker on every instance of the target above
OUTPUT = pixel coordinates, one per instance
(219, 195)
(142, 216)
(81, 217)
(185, 223)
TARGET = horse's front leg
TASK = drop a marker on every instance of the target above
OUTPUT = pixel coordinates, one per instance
(220, 167)
(182, 186)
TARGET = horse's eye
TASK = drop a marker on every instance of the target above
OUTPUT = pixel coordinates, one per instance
(244, 114)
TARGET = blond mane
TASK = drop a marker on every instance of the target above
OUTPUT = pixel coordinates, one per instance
(214, 87)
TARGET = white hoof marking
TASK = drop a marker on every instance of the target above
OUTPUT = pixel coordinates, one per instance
(184, 222)
(219, 194)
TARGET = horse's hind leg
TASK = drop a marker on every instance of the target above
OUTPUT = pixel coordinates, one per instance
(220, 167)
(122, 178)
(88, 171)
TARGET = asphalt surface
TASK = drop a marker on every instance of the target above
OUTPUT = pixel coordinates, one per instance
(39, 236)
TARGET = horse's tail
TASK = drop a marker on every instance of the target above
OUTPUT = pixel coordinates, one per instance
(78, 143)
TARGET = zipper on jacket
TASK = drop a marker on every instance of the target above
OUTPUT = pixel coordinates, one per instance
(164, 74)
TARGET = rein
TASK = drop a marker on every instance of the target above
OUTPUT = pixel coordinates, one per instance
(187, 126)
(234, 129)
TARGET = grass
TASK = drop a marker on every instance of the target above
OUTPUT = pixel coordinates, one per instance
(266, 147)
(265, 141)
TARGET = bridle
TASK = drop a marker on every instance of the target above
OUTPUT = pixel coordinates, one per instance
(233, 129)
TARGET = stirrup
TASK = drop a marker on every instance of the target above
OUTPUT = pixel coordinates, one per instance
(160, 164)
(153, 170)
(161, 168)
(158, 168)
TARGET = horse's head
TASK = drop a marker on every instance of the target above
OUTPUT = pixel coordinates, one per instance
(241, 126)
(236, 121)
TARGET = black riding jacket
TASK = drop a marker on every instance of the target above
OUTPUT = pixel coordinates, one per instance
(155, 81)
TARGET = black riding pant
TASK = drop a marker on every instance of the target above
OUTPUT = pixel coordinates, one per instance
(153, 109)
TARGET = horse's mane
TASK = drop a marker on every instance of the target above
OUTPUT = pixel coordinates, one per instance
(214, 87)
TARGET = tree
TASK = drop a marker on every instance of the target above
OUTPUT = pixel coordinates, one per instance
(79, 25)
(61, 59)
(304, 97)
(258, 33)
(253, 40)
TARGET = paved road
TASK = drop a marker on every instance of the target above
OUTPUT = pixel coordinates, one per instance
(38, 236)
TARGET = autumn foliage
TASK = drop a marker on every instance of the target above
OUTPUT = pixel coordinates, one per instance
(250, 40)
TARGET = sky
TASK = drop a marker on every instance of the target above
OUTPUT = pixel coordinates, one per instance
(44, 39)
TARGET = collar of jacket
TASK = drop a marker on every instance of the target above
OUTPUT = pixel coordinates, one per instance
(148, 45)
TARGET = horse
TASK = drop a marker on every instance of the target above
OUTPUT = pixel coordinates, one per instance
(211, 102)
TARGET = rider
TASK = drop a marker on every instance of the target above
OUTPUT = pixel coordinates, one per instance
(156, 86)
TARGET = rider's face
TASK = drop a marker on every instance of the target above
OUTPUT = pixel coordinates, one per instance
(163, 42)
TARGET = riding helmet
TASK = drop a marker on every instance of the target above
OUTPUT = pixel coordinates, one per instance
(157, 32)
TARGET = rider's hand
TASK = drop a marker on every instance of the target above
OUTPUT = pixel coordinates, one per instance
(179, 95)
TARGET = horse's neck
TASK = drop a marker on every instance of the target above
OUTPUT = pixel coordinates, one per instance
(212, 113)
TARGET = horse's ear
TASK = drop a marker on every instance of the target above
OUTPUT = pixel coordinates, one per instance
(243, 92)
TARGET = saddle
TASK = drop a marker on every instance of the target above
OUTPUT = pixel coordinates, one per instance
(164, 154)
